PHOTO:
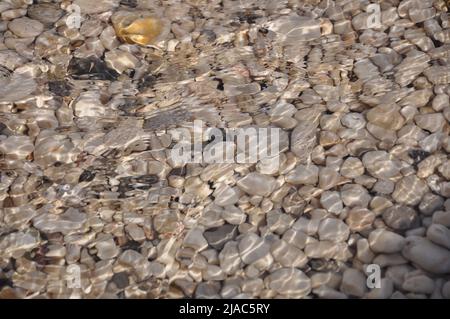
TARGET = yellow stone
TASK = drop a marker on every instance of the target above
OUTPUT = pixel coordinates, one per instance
(133, 28)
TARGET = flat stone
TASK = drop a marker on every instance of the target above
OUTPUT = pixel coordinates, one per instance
(384, 241)
(359, 219)
(194, 239)
(288, 255)
(257, 184)
(419, 284)
(439, 234)
(400, 217)
(289, 282)
(331, 201)
(25, 27)
(137, 262)
(217, 237)
(354, 195)
(303, 140)
(16, 244)
(384, 292)
(233, 215)
(99, 7)
(303, 174)
(229, 258)
(429, 256)
(353, 283)
(410, 190)
(333, 229)
(252, 248)
(321, 249)
(225, 195)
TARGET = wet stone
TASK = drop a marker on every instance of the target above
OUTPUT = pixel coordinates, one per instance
(219, 236)
(90, 68)
(121, 280)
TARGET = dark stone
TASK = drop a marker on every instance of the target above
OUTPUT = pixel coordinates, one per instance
(91, 69)
(86, 176)
(248, 17)
(129, 3)
(178, 171)
(121, 280)
(5, 282)
(147, 179)
(131, 244)
(146, 82)
(5, 72)
(60, 88)
(418, 155)
(317, 264)
(130, 183)
(220, 86)
(217, 237)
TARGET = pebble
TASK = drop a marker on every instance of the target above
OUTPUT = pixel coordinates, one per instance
(359, 219)
(297, 238)
(303, 174)
(432, 122)
(303, 140)
(353, 283)
(400, 217)
(194, 239)
(25, 27)
(354, 195)
(107, 249)
(331, 201)
(288, 255)
(384, 292)
(307, 226)
(409, 190)
(380, 165)
(446, 290)
(252, 248)
(120, 61)
(229, 257)
(420, 284)
(257, 184)
(45, 12)
(16, 244)
(217, 238)
(225, 195)
(441, 217)
(352, 167)
(384, 241)
(431, 257)
(321, 249)
(289, 282)
(363, 252)
(137, 262)
(233, 215)
(100, 6)
(439, 234)
(333, 229)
